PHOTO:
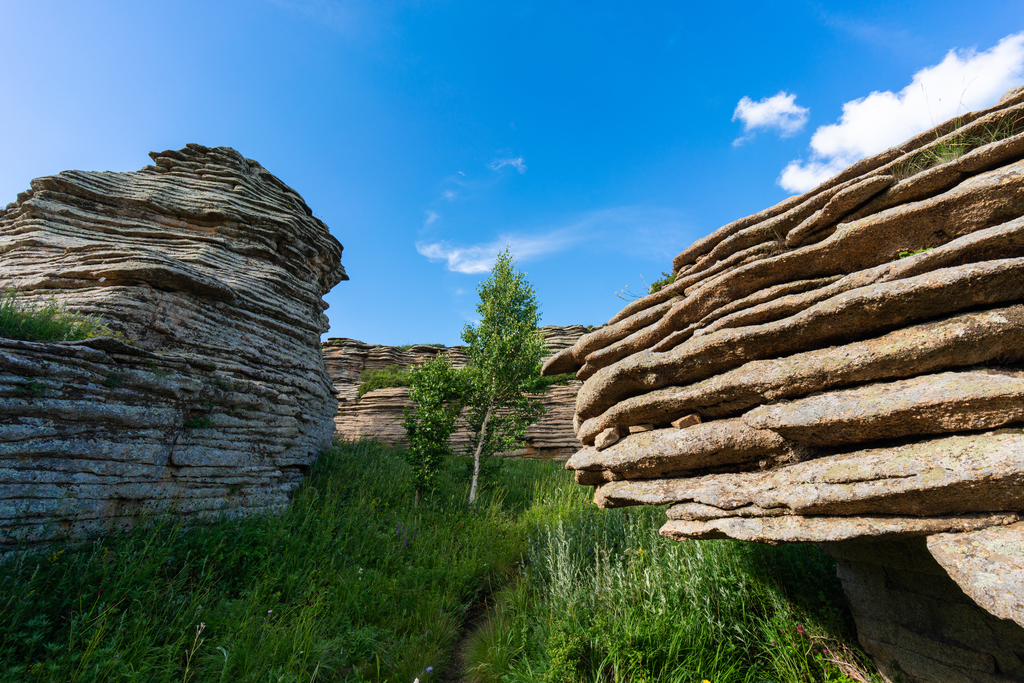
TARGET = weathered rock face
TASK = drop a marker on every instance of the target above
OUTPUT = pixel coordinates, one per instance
(918, 622)
(379, 414)
(213, 270)
(848, 364)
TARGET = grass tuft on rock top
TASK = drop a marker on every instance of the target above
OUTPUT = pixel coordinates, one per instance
(956, 145)
(44, 322)
(353, 583)
(391, 376)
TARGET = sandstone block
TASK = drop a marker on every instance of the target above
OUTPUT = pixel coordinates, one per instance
(687, 421)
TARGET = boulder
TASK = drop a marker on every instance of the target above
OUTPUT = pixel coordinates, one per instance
(847, 368)
(213, 395)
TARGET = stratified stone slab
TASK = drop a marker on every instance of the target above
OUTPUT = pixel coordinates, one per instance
(988, 565)
(927, 404)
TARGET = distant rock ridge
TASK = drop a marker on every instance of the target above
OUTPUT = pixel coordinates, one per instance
(846, 367)
(213, 271)
(379, 414)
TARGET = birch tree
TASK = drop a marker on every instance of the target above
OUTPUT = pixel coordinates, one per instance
(505, 349)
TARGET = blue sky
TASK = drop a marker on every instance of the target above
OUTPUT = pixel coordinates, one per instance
(597, 139)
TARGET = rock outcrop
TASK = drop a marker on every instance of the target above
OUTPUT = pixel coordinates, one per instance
(379, 413)
(846, 366)
(214, 394)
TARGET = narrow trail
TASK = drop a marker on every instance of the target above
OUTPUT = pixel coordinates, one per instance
(476, 616)
(454, 671)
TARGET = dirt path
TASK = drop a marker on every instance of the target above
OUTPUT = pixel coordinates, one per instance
(475, 616)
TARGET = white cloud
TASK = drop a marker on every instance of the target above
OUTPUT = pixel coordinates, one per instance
(516, 163)
(640, 231)
(449, 195)
(480, 258)
(963, 81)
(432, 217)
(779, 111)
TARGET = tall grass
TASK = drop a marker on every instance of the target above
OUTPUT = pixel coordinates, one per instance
(351, 582)
(604, 598)
(44, 322)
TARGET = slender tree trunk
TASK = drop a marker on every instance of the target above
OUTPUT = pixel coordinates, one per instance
(476, 456)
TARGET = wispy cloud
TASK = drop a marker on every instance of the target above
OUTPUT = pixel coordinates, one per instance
(963, 81)
(780, 111)
(432, 217)
(480, 258)
(516, 163)
(450, 195)
(640, 231)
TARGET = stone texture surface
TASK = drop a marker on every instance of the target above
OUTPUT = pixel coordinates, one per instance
(932, 404)
(855, 356)
(379, 414)
(213, 270)
(918, 623)
(988, 565)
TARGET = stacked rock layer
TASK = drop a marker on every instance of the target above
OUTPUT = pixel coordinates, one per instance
(214, 394)
(848, 364)
(379, 414)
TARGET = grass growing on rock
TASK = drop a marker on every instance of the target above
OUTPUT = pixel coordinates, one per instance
(44, 322)
(391, 376)
(354, 583)
(950, 147)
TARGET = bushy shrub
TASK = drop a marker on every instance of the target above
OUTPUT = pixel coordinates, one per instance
(437, 391)
(666, 279)
(541, 384)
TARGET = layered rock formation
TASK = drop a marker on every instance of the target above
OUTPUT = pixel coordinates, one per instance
(847, 365)
(347, 359)
(379, 414)
(214, 395)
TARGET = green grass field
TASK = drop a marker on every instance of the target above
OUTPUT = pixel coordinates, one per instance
(353, 582)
